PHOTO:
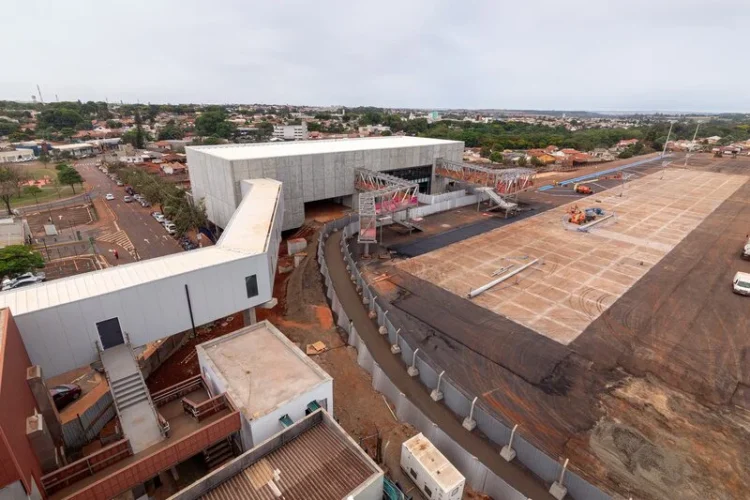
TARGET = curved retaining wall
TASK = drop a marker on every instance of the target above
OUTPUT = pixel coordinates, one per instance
(477, 474)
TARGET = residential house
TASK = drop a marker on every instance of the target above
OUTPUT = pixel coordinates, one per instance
(625, 143)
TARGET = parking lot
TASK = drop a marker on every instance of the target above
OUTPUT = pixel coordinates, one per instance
(147, 236)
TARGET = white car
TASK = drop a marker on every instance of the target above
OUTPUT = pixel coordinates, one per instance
(741, 284)
(746, 250)
(109, 197)
(171, 228)
(23, 280)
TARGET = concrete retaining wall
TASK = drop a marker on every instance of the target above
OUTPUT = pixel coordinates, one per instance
(478, 476)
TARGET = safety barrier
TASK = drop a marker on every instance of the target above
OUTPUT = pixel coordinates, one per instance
(478, 476)
(87, 425)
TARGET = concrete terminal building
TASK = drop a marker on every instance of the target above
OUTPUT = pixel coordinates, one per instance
(310, 170)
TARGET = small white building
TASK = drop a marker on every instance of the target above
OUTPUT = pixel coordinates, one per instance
(433, 474)
(80, 150)
(265, 376)
(290, 132)
(16, 156)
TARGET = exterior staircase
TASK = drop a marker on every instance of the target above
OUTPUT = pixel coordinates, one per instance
(217, 454)
(501, 202)
(129, 391)
(138, 417)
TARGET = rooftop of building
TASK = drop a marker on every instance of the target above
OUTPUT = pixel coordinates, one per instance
(444, 472)
(68, 147)
(314, 458)
(12, 232)
(261, 368)
(275, 149)
(252, 223)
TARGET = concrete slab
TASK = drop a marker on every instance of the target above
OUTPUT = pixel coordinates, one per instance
(582, 274)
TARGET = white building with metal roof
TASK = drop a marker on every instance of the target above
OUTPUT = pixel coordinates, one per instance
(152, 299)
(310, 170)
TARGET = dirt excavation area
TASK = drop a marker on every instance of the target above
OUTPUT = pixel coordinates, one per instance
(647, 392)
(305, 318)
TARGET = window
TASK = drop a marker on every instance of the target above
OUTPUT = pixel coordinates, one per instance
(454, 492)
(413, 474)
(251, 285)
(428, 491)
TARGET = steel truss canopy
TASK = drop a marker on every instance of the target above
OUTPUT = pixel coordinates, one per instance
(381, 194)
(504, 181)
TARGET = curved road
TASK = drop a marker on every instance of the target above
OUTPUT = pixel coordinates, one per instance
(515, 476)
(148, 236)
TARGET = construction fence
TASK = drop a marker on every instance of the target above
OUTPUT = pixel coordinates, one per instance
(459, 401)
(433, 204)
(87, 425)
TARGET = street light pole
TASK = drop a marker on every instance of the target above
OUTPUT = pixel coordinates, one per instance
(663, 163)
(690, 147)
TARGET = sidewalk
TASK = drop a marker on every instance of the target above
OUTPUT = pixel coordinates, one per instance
(522, 480)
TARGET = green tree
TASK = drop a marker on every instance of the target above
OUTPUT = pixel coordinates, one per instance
(496, 157)
(114, 124)
(44, 158)
(189, 216)
(34, 191)
(19, 259)
(265, 130)
(386, 133)
(10, 177)
(522, 161)
(213, 122)
(70, 177)
(140, 139)
(170, 132)
(131, 137)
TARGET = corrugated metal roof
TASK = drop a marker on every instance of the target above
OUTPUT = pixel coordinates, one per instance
(317, 465)
(275, 149)
(252, 222)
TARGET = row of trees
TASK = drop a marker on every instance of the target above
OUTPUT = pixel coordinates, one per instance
(171, 200)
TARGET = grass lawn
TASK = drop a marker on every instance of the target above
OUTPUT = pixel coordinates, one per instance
(37, 170)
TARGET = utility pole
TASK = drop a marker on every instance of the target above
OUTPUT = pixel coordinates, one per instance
(664, 163)
(690, 147)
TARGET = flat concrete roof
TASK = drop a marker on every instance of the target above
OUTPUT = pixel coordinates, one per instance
(434, 462)
(298, 148)
(262, 369)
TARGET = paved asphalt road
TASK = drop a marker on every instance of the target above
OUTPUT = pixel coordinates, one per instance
(148, 236)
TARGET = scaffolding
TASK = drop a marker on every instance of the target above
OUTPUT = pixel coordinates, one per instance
(380, 195)
(505, 182)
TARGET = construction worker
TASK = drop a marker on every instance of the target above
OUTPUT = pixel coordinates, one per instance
(117, 255)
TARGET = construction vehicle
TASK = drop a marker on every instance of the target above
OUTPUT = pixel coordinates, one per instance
(580, 217)
(582, 189)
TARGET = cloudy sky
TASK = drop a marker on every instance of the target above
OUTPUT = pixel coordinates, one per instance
(671, 55)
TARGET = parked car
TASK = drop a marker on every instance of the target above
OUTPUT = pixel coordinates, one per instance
(746, 249)
(171, 228)
(144, 203)
(109, 197)
(741, 284)
(127, 198)
(120, 183)
(138, 197)
(159, 218)
(187, 244)
(65, 394)
(130, 190)
(23, 280)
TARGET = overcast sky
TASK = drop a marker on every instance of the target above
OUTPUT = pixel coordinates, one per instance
(671, 55)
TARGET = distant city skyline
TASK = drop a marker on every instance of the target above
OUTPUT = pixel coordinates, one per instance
(582, 55)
